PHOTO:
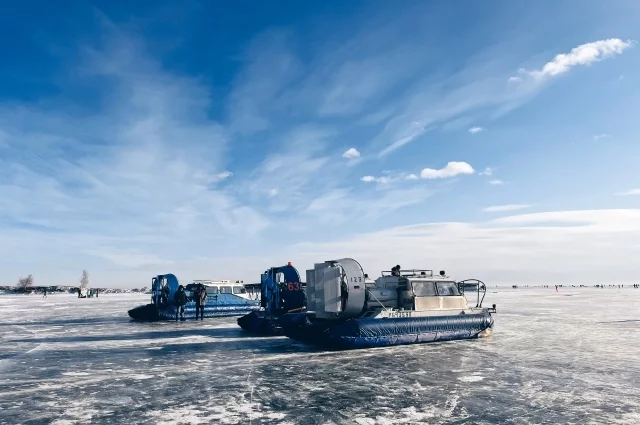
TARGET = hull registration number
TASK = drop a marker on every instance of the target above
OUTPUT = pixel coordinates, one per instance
(399, 314)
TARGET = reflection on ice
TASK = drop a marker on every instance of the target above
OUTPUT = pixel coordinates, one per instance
(552, 359)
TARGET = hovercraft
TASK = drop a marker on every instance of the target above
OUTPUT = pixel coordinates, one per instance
(224, 298)
(281, 292)
(347, 310)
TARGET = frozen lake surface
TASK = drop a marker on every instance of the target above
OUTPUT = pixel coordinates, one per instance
(571, 357)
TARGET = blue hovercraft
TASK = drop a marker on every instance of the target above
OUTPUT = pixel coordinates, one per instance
(281, 292)
(224, 298)
(347, 310)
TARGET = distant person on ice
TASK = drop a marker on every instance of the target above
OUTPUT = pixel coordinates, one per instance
(201, 297)
(45, 293)
(180, 299)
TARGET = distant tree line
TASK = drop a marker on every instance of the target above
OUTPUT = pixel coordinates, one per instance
(25, 283)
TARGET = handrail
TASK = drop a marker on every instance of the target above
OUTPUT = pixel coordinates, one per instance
(410, 272)
(480, 286)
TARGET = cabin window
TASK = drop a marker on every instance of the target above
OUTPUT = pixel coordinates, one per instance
(447, 289)
(424, 289)
(212, 290)
(225, 290)
(239, 290)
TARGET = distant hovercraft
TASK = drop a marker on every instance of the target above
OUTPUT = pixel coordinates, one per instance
(224, 298)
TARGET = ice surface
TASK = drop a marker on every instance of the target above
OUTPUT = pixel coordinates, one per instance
(570, 357)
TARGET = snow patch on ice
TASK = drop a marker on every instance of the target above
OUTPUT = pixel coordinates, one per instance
(471, 378)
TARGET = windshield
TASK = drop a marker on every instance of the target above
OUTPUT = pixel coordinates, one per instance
(447, 289)
(423, 289)
(238, 290)
(225, 289)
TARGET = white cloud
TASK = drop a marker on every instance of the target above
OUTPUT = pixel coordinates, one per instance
(574, 247)
(452, 169)
(487, 171)
(351, 153)
(496, 182)
(514, 80)
(511, 207)
(584, 54)
(597, 137)
(273, 192)
(631, 192)
(372, 179)
(474, 130)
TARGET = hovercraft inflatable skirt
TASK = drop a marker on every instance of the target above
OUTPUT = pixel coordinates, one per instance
(368, 333)
(147, 312)
(261, 323)
(151, 312)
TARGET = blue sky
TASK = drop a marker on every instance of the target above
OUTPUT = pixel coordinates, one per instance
(493, 139)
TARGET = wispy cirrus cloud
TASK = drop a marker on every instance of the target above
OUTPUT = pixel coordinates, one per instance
(486, 172)
(632, 192)
(430, 105)
(290, 170)
(127, 258)
(254, 100)
(597, 137)
(344, 205)
(163, 169)
(142, 163)
(510, 207)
